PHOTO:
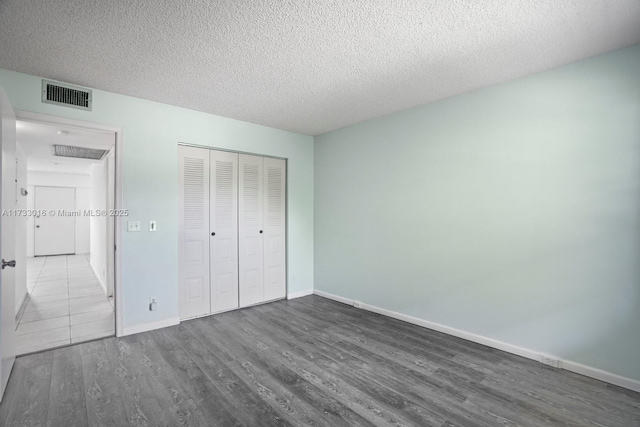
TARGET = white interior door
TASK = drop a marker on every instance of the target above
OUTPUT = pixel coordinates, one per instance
(55, 232)
(224, 230)
(275, 178)
(7, 245)
(250, 230)
(195, 295)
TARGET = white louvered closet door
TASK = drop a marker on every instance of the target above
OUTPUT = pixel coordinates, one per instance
(275, 179)
(224, 231)
(250, 230)
(194, 232)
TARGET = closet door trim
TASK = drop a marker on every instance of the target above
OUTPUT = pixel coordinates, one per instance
(248, 153)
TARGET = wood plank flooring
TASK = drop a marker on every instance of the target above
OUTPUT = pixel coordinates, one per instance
(308, 361)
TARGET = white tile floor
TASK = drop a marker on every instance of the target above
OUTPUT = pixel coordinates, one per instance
(66, 304)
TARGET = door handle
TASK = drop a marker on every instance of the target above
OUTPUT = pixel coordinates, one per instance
(11, 263)
(37, 226)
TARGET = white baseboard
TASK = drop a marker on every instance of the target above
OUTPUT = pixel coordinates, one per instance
(568, 365)
(299, 294)
(489, 342)
(333, 297)
(21, 306)
(136, 329)
(104, 286)
(601, 375)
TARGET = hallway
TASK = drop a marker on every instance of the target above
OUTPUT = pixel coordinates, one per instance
(66, 304)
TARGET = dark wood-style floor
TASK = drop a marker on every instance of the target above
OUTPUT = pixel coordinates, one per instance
(309, 361)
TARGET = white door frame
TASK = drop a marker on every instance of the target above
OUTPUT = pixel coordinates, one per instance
(29, 116)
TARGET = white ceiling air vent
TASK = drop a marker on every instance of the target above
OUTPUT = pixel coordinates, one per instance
(78, 152)
(66, 95)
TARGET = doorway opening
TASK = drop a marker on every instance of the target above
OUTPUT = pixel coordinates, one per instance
(65, 281)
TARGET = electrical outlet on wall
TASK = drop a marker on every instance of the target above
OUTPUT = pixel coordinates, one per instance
(133, 226)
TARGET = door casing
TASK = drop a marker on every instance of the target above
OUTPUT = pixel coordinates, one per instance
(119, 221)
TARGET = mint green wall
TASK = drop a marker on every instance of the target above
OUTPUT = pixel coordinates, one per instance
(150, 172)
(512, 212)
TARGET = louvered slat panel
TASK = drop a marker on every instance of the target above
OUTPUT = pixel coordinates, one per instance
(224, 195)
(274, 196)
(250, 229)
(66, 95)
(194, 193)
(251, 193)
(275, 282)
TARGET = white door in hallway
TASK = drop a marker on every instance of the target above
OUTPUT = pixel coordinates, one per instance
(7, 246)
(55, 232)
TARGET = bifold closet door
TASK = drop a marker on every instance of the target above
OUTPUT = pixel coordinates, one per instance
(193, 169)
(250, 229)
(262, 224)
(232, 230)
(224, 230)
(275, 178)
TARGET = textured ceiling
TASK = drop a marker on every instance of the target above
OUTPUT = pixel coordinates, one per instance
(305, 66)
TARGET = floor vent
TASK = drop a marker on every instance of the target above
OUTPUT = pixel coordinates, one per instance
(66, 95)
(78, 152)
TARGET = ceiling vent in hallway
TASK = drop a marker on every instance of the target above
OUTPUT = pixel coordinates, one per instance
(66, 95)
(78, 152)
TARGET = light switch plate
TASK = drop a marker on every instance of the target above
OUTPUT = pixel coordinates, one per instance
(133, 225)
(153, 226)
